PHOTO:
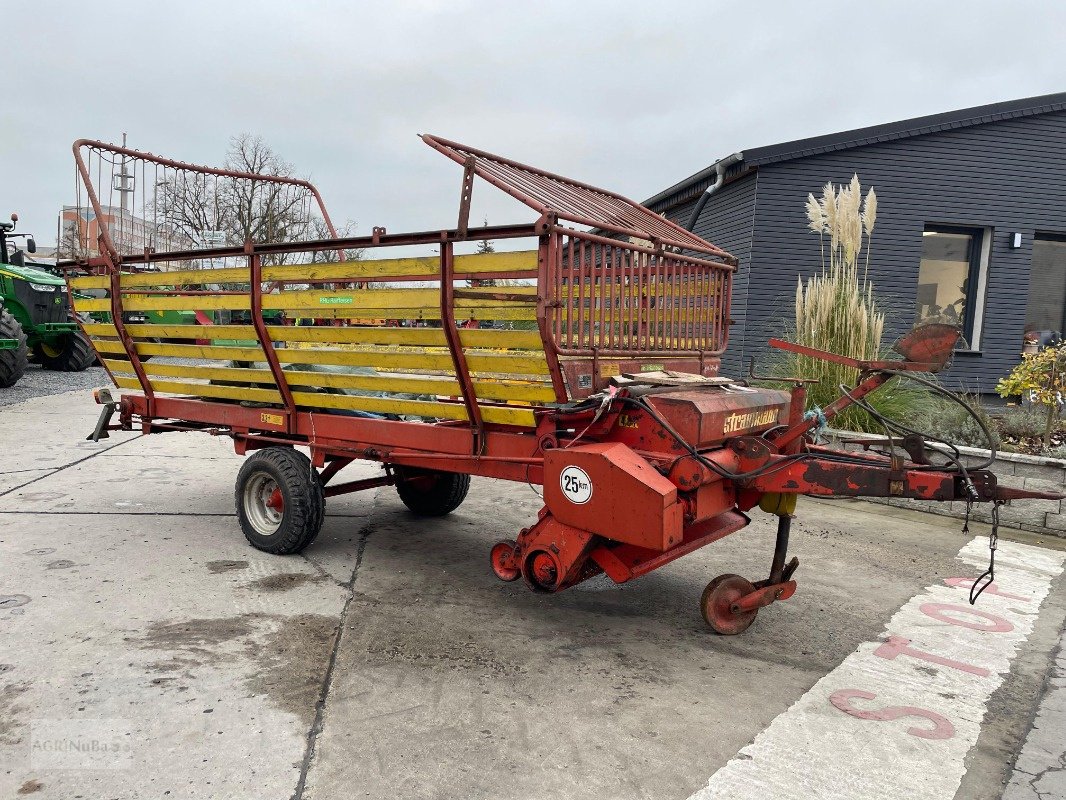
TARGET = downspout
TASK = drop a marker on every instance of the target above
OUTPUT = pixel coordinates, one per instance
(719, 168)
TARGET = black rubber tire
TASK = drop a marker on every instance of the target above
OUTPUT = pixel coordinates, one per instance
(76, 354)
(301, 490)
(445, 493)
(12, 362)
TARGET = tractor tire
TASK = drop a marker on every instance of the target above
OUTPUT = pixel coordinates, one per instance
(71, 353)
(280, 500)
(430, 492)
(12, 362)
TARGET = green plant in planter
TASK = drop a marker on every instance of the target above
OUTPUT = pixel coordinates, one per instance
(1042, 378)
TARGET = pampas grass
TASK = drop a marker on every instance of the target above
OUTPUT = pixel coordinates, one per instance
(836, 309)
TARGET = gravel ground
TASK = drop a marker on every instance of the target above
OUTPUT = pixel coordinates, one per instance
(38, 382)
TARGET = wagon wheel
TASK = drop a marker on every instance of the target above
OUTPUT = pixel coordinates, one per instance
(502, 560)
(280, 501)
(431, 492)
(716, 602)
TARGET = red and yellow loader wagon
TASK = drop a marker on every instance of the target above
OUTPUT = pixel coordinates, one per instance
(612, 400)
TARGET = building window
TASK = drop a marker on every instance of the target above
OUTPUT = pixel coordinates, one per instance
(1046, 310)
(949, 276)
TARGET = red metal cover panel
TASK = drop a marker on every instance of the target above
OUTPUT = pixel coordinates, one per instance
(618, 495)
(573, 201)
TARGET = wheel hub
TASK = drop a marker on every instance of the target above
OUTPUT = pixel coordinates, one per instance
(542, 571)
(276, 501)
(719, 600)
(502, 557)
(264, 504)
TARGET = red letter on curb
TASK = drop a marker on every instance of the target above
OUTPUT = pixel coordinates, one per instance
(936, 611)
(943, 728)
(899, 646)
(992, 588)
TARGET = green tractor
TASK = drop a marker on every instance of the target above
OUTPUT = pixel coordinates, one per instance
(36, 314)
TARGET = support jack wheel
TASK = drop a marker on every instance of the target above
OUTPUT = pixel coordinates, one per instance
(717, 602)
(502, 560)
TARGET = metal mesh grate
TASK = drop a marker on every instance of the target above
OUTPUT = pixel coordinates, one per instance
(574, 201)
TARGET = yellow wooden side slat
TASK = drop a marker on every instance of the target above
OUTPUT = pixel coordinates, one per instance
(521, 261)
(389, 383)
(503, 363)
(495, 363)
(185, 277)
(498, 363)
(392, 383)
(208, 352)
(508, 340)
(486, 389)
(100, 329)
(148, 331)
(107, 346)
(515, 312)
(526, 392)
(387, 303)
(532, 393)
(498, 414)
(152, 368)
(412, 337)
(516, 261)
(395, 299)
(90, 282)
(509, 416)
(380, 405)
(205, 390)
(200, 302)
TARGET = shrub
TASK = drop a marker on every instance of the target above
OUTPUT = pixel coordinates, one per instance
(1022, 423)
(951, 422)
(1042, 378)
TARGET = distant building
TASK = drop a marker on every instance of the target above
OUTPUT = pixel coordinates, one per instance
(971, 227)
(79, 232)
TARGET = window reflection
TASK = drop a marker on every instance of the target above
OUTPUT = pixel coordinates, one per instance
(945, 276)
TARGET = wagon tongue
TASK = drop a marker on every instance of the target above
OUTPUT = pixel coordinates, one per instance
(1008, 493)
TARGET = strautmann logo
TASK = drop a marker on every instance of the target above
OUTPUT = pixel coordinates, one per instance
(752, 419)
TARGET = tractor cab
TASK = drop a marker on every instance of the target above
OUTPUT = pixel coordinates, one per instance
(9, 254)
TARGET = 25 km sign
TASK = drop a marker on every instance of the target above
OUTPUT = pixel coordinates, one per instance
(576, 485)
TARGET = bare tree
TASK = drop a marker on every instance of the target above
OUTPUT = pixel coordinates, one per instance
(196, 206)
(332, 255)
(264, 211)
(71, 245)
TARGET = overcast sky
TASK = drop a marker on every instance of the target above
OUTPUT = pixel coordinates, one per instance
(629, 96)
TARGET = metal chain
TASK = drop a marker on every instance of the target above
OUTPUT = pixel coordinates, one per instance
(993, 543)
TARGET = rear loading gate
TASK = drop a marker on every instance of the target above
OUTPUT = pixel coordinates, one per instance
(497, 364)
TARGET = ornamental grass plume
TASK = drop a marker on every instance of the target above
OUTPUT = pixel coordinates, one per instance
(835, 309)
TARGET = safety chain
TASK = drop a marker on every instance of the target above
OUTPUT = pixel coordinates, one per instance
(993, 542)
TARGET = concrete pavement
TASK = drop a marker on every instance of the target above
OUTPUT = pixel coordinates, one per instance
(386, 661)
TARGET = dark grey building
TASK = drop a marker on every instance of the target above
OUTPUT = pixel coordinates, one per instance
(971, 226)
